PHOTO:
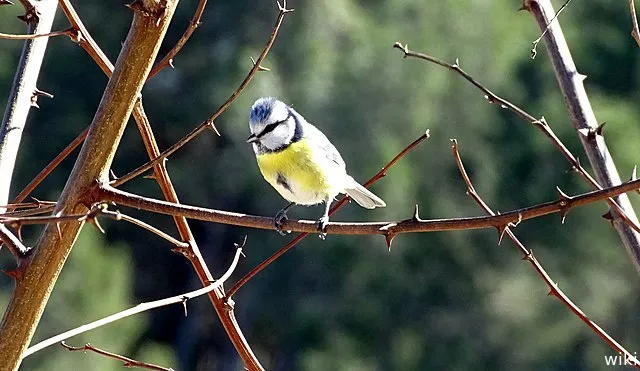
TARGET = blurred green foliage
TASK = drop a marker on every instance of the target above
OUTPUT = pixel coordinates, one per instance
(436, 301)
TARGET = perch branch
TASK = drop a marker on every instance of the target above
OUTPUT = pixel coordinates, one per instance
(104, 192)
(554, 290)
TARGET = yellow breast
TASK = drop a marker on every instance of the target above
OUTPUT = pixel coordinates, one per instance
(299, 174)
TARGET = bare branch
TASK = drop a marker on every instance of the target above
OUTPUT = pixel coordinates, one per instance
(540, 124)
(178, 299)
(335, 208)
(67, 32)
(128, 362)
(534, 44)
(528, 256)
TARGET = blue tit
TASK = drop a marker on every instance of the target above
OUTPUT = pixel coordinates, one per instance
(299, 161)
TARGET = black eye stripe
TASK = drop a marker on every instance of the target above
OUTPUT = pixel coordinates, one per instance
(271, 127)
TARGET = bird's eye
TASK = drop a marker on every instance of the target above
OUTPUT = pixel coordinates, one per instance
(269, 128)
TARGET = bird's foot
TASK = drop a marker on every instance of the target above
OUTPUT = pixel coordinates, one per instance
(279, 220)
(322, 226)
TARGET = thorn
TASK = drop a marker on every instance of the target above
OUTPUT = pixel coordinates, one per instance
(260, 68)
(184, 305)
(13, 273)
(581, 77)
(456, 64)
(634, 173)
(76, 36)
(212, 126)
(388, 237)
(112, 175)
(575, 168)
(501, 230)
(564, 204)
(553, 290)
(608, 216)
(416, 216)
(30, 16)
(95, 222)
(528, 257)
(42, 93)
(150, 176)
(600, 128)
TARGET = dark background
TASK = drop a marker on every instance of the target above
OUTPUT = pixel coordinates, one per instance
(437, 301)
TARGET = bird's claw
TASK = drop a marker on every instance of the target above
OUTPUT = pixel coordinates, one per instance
(279, 220)
(322, 226)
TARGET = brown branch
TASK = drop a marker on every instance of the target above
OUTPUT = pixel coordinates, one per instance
(143, 307)
(128, 362)
(540, 124)
(209, 122)
(51, 166)
(635, 32)
(584, 121)
(554, 290)
(40, 273)
(167, 60)
(381, 174)
(68, 32)
(104, 192)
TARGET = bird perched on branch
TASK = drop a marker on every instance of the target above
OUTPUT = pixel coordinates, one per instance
(298, 160)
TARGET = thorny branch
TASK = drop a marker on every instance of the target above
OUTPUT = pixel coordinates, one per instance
(584, 121)
(554, 290)
(127, 362)
(540, 124)
(389, 229)
(178, 299)
(195, 23)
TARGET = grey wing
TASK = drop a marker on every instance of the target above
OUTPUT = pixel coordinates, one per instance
(326, 147)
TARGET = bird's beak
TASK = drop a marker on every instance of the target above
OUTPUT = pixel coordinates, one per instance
(252, 138)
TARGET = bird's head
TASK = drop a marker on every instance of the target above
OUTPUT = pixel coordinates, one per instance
(272, 124)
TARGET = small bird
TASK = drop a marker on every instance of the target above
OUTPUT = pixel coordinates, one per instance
(300, 162)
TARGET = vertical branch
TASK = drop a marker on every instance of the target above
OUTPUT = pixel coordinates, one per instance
(584, 120)
(36, 279)
(23, 90)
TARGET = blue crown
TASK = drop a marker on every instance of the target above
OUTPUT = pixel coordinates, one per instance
(261, 109)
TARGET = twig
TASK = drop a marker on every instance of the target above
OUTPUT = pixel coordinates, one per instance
(67, 32)
(128, 362)
(388, 228)
(635, 32)
(143, 307)
(51, 166)
(15, 246)
(534, 44)
(540, 124)
(210, 121)
(584, 121)
(381, 174)
(168, 58)
(117, 215)
(554, 290)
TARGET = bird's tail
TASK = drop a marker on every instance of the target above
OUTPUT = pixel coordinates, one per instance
(363, 196)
